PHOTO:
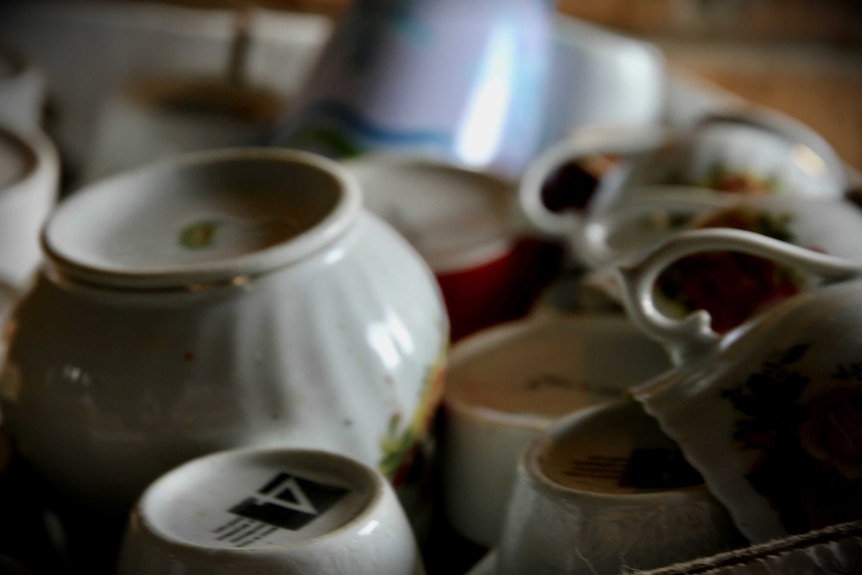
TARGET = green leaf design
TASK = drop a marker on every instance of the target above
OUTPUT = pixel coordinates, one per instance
(199, 234)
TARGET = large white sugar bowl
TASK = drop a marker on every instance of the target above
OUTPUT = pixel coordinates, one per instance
(217, 300)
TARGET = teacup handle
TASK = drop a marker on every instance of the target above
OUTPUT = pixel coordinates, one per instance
(583, 143)
(592, 240)
(692, 336)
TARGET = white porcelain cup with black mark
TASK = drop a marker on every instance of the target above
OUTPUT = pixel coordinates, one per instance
(605, 491)
(270, 511)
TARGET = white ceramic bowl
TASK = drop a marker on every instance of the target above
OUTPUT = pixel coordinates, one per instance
(508, 384)
(283, 511)
(231, 298)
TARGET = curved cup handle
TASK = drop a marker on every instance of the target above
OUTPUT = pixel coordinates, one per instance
(592, 241)
(692, 336)
(583, 143)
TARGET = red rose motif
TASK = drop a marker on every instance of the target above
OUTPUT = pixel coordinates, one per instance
(832, 432)
(731, 286)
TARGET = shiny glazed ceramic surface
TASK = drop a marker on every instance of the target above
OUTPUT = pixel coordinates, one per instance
(332, 339)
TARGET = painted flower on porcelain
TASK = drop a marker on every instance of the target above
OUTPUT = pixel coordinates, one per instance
(732, 286)
(808, 452)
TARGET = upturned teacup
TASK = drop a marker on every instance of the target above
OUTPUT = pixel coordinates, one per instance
(270, 511)
(507, 385)
(603, 491)
(768, 412)
(218, 300)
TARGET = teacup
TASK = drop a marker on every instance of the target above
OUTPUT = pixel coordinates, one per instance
(508, 384)
(769, 411)
(22, 91)
(29, 179)
(215, 300)
(461, 222)
(270, 511)
(744, 152)
(603, 491)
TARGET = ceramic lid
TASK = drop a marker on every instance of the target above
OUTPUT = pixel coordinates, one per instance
(17, 160)
(202, 218)
(454, 217)
(258, 499)
(538, 370)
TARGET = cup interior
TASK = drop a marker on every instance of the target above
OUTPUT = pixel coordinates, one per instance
(540, 370)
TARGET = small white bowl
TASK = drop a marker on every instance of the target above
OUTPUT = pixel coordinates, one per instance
(217, 300)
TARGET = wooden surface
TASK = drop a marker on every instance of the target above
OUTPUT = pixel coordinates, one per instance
(819, 85)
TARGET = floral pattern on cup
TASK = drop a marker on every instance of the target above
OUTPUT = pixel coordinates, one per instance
(809, 462)
(732, 286)
(401, 448)
(724, 179)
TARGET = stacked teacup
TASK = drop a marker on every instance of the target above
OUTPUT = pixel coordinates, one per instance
(718, 243)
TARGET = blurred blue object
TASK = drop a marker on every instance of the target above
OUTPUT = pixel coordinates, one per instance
(465, 81)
